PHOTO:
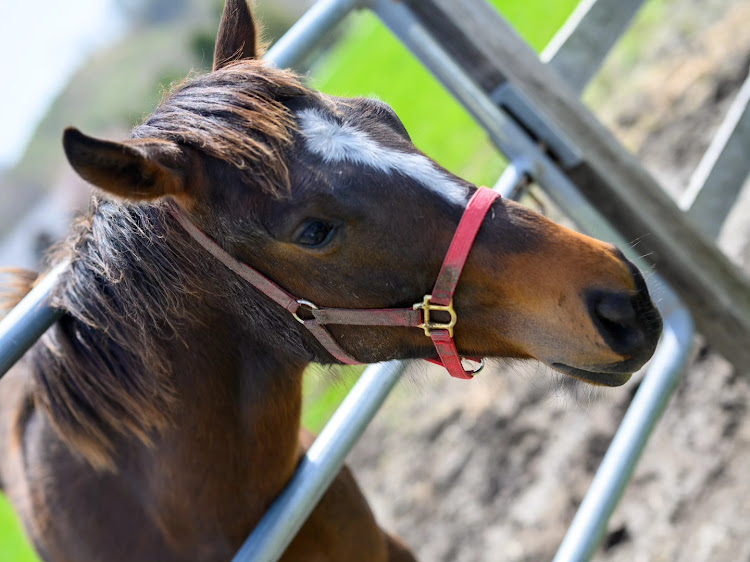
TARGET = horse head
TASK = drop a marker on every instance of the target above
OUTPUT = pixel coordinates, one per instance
(329, 198)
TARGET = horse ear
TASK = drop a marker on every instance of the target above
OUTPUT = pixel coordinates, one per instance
(137, 170)
(237, 37)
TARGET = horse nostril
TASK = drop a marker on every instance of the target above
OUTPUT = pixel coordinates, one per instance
(615, 316)
(616, 309)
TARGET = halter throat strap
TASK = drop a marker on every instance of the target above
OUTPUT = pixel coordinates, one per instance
(419, 316)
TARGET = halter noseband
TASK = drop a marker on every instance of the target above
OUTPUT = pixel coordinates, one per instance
(419, 316)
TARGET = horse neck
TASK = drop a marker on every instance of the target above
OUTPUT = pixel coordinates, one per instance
(171, 315)
(234, 441)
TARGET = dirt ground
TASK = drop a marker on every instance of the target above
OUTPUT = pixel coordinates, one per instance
(493, 470)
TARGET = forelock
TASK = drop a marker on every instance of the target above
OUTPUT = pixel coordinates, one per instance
(236, 115)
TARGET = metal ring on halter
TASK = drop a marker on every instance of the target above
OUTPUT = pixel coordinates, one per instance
(308, 304)
(473, 371)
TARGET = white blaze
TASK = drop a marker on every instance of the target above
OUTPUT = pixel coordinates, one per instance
(337, 142)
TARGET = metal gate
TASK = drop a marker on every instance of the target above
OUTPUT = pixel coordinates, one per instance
(556, 158)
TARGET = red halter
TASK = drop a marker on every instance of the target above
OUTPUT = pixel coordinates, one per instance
(419, 315)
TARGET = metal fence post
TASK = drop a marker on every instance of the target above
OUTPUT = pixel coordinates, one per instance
(721, 173)
(29, 320)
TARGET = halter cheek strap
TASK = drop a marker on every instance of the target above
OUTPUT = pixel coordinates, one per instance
(450, 272)
(419, 316)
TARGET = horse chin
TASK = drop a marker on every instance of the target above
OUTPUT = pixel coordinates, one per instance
(600, 378)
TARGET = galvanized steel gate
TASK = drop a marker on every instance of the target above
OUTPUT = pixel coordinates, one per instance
(541, 151)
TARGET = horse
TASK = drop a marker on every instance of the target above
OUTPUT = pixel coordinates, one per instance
(158, 419)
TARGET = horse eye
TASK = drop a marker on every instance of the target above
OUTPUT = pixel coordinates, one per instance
(315, 234)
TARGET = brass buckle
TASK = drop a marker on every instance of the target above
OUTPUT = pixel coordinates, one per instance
(426, 306)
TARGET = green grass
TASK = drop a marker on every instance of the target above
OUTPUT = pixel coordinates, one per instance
(323, 391)
(14, 547)
(368, 61)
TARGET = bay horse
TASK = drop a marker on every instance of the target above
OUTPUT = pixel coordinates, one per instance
(160, 416)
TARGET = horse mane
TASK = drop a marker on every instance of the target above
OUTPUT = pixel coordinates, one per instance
(16, 285)
(102, 370)
(236, 115)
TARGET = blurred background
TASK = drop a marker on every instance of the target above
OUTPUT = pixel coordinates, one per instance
(102, 65)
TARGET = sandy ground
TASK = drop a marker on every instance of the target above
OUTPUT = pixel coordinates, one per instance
(494, 470)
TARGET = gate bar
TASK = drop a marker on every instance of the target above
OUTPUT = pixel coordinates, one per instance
(721, 173)
(614, 472)
(579, 48)
(503, 130)
(307, 31)
(320, 465)
(30, 318)
(576, 54)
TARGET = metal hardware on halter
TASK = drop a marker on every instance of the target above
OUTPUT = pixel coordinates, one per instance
(426, 306)
(301, 303)
(441, 333)
(478, 367)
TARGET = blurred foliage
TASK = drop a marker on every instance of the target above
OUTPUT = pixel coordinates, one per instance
(323, 390)
(146, 12)
(14, 546)
(202, 44)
